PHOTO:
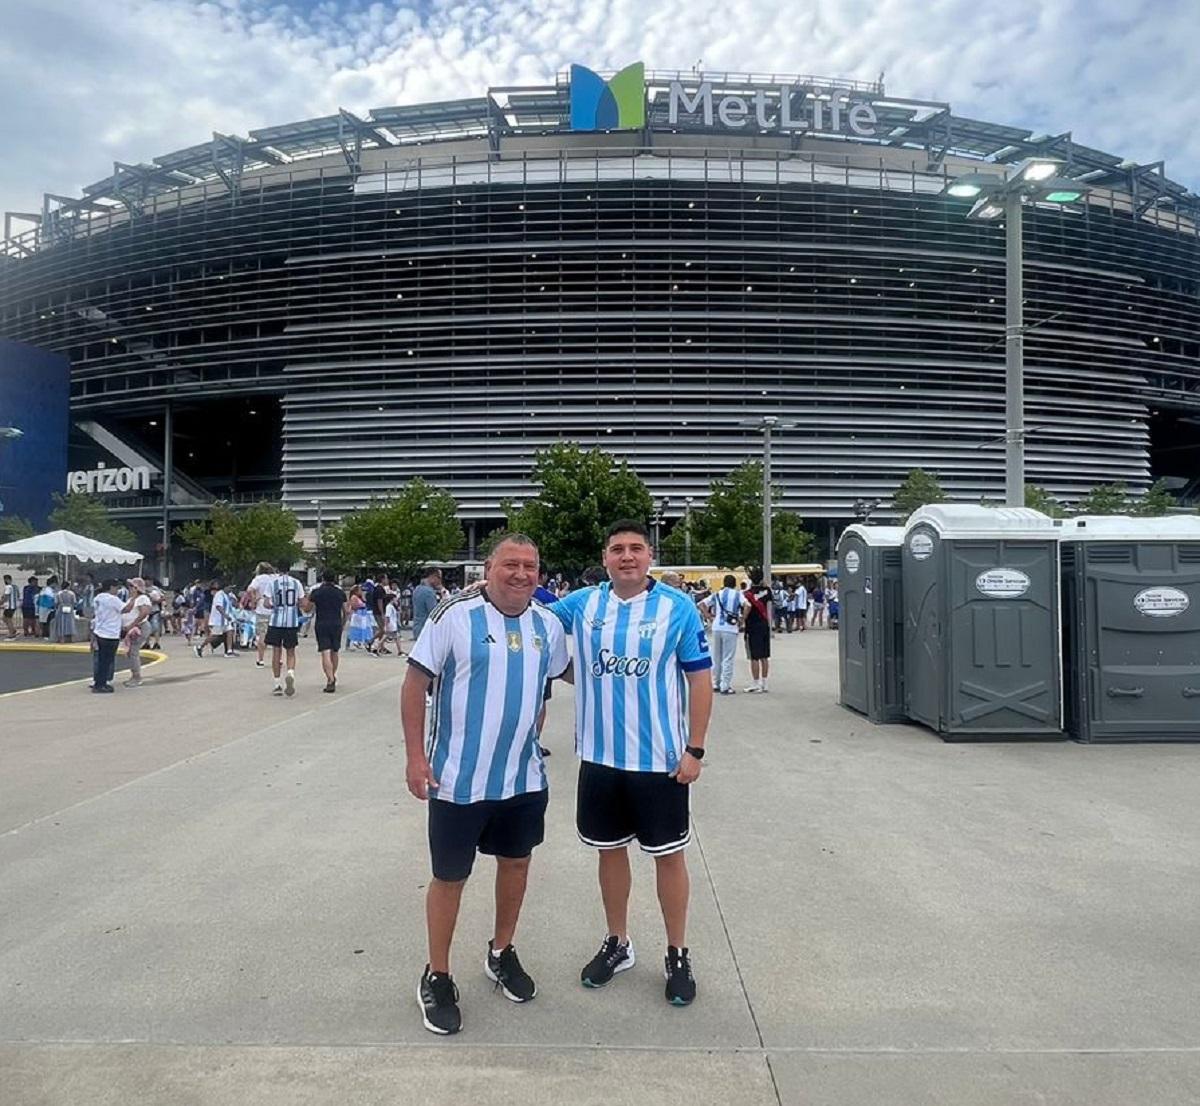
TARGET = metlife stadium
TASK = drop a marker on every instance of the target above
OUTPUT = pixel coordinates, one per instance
(324, 309)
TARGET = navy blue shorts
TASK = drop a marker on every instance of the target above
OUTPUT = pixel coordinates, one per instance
(510, 828)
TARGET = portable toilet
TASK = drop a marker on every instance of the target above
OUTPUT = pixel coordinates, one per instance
(982, 641)
(871, 623)
(1131, 622)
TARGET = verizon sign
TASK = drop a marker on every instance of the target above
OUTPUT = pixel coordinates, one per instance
(106, 481)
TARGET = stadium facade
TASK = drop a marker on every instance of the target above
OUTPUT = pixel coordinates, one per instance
(324, 309)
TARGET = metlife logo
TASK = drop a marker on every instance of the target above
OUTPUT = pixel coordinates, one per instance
(620, 104)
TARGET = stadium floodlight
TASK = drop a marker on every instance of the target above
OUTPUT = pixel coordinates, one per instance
(1036, 180)
(967, 186)
(1035, 169)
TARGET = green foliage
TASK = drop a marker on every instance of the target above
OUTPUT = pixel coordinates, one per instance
(729, 528)
(404, 531)
(674, 548)
(237, 540)
(919, 489)
(582, 493)
(1041, 500)
(1104, 499)
(1157, 501)
(85, 514)
(14, 528)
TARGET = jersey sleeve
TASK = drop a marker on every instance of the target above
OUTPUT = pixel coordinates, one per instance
(566, 608)
(692, 649)
(431, 649)
(559, 656)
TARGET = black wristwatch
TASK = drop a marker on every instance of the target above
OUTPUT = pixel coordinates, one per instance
(696, 751)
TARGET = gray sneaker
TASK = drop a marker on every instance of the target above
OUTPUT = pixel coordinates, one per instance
(132, 683)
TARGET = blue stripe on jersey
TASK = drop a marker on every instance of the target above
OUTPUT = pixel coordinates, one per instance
(540, 629)
(476, 698)
(284, 596)
(443, 700)
(645, 719)
(596, 689)
(664, 714)
(621, 649)
(510, 711)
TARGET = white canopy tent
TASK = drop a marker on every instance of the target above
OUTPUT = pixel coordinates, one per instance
(63, 543)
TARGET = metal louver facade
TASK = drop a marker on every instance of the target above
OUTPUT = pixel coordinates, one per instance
(445, 311)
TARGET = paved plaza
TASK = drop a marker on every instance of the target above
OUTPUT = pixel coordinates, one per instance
(212, 896)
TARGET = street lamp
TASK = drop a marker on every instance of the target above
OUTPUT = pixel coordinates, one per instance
(767, 423)
(656, 519)
(995, 196)
(687, 529)
(317, 503)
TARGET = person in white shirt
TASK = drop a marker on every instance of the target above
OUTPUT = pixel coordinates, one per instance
(798, 607)
(264, 573)
(220, 622)
(106, 635)
(285, 600)
(133, 627)
(723, 609)
(11, 600)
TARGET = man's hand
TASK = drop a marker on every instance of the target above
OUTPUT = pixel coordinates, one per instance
(688, 770)
(419, 777)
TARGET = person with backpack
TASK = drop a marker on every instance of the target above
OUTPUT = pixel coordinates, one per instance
(723, 609)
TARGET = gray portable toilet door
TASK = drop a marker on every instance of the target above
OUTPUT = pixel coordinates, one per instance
(923, 644)
(853, 632)
(1005, 663)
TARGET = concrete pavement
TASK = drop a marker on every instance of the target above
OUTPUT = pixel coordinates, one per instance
(210, 895)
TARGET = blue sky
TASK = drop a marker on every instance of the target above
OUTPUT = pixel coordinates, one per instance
(85, 84)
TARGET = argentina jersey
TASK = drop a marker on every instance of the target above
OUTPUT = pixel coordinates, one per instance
(286, 593)
(490, 672)
(632, 657)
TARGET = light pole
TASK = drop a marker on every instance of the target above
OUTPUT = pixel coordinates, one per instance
(656, 520)
(687, 530)
(1037, 180)
(767, 424)
(320, 555)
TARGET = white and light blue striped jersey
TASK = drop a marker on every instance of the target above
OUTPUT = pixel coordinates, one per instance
(632, 657)
(285, 594)
(490, 672)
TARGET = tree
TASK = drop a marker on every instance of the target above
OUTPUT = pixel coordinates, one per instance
(1157, 501)
(1104, 499)
(919, 489)
(85, 514)
(675, 549)
(404, 531)
(582, 493)
(729, 527)
(1041, 500)
(236, 540)
(14, 528)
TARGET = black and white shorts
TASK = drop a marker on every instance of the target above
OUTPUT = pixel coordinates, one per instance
(283, 637)
(614, 807)
(510, 828)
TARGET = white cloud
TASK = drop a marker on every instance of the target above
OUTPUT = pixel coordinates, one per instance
(139, 79)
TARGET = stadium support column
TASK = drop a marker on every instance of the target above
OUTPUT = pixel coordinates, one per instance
(1014, 354)
(168, 479)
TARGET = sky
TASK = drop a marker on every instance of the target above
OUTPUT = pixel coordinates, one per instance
(85, 84)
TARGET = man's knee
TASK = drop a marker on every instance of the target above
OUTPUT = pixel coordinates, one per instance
(513, 865)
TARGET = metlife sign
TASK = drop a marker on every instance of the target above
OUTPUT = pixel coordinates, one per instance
(791, 110)
(619, 104)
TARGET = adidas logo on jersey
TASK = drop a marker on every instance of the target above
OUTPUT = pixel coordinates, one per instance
(489, 640)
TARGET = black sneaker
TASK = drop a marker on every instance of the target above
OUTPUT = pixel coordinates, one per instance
(504, 969)
(613, 957)
(438, 999)
(681, 987)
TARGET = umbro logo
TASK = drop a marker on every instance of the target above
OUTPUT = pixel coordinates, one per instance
(489, 640)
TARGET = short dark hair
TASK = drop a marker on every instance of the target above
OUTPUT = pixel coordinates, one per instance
(281, 569)
(729, 581)
(626, 526)
(7, 578)
(329, 576)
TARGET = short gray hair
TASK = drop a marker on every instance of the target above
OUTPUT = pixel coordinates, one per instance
(516, 538)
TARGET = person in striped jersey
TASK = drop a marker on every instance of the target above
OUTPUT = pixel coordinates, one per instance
(487, 655)
(642, 704)
(285, 598)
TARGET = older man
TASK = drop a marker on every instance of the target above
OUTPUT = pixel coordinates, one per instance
(487, 654)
